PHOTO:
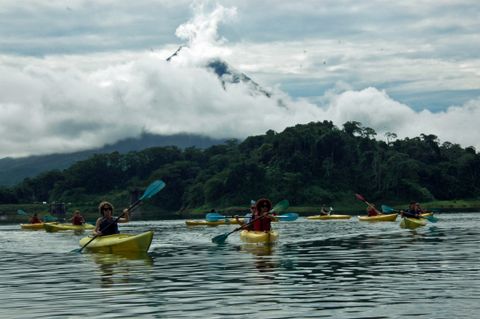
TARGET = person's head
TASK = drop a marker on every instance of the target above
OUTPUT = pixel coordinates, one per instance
(412, 204)
(263, 205)
(76, 212)
(104, 207)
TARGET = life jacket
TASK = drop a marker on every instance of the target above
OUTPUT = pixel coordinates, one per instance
(77, 220)
(262, 224)
(412, 213)
(35, 220)
(109, 227)
(372, 212)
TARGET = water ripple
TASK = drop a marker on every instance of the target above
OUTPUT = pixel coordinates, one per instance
(318, 269)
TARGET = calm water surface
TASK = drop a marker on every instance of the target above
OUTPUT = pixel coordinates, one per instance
(318, 269)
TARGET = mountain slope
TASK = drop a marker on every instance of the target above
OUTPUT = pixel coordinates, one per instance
(14, 170)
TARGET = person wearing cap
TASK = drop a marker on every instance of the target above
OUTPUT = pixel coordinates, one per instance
(107, 224)
(262, 219)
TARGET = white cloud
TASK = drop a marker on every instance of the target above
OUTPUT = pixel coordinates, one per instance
(62, 102)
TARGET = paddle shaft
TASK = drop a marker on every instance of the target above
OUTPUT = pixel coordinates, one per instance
(360, 197)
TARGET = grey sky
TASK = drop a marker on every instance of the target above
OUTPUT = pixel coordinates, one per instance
(77, 74)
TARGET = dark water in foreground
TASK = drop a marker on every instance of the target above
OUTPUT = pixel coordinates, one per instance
(318, 269)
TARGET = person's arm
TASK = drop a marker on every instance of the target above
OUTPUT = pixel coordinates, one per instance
(125, 217)
(239, 221)
(97, 231)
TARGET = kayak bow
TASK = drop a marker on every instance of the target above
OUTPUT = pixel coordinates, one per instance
(119, 243)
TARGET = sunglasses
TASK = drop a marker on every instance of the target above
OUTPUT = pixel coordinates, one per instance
(106, 208)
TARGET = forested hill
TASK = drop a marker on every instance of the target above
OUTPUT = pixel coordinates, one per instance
(14, 170)
(307, 164)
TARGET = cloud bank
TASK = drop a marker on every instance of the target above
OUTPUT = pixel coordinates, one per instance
(64, 103)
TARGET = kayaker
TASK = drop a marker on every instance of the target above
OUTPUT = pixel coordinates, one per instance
(35, 220)
(324, 211)
(77, 219)
(372, 211)
(262, 219)
(414, 210)
(419, 209)
(107, 224)
(247, 218)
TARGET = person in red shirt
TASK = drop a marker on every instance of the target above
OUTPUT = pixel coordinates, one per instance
(77, 219)
(372, 211)
(262, 209)
(35, 220)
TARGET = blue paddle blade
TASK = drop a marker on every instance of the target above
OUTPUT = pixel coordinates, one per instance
(220, 239)
(49, 218)
(213, 217)
(432, 219)
(281, 206)
(152, 189)
(287, 217)
(21, 212)
(387, 209)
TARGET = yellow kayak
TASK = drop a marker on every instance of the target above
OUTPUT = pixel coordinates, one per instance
(250, 236)
(37, 226)
(379, 218)
(327, 217)
(426, 214)
(119, 243)
(55, 227)
(215, 223)
(412, 223)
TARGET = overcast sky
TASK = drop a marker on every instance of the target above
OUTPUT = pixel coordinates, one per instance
(76, 74)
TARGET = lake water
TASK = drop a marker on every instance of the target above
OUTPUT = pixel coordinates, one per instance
(318, 269)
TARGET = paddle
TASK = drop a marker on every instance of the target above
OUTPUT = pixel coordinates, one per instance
(281, 206)
(151, 190)
(361, 198)
(49, 218)
(21, 212)
(213, 217)
(287, 217)
(387, 209)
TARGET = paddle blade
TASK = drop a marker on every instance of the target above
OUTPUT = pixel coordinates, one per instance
(288, 217)
(281, 206)
(152, 189)
(21, 212)
(360, 197)
(432, 219)
(387, 209)
(220, 239)
(213, 217)
(49, 218)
